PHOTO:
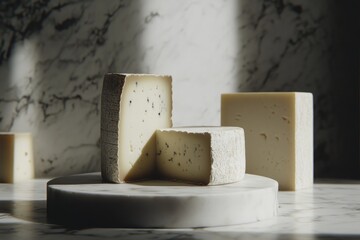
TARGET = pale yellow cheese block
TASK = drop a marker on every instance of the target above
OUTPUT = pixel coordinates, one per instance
(133, 106)
(278, 133)
(16, 157)
(201, 155)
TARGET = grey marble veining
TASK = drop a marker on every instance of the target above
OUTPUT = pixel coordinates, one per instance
(53, 55)
(328, 211)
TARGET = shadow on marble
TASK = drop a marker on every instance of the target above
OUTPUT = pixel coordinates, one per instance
(336, 181)
(29, 210)
(77, 179)
(162, 183)
(96, 179)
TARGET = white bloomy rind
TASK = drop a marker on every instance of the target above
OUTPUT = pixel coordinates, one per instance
(201, 155)
(133, 106)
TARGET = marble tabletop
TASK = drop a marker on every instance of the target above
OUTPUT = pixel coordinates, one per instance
(329, 210)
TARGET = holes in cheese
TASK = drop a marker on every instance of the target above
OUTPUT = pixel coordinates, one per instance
(201, 155)
(279, 134)
(133, 106)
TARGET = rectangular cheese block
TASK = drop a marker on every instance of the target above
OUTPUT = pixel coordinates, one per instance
(133, 106)
(279, 134)
(201, 155)
(16, 157)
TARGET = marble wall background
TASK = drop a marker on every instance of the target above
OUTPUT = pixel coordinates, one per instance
(53, 55)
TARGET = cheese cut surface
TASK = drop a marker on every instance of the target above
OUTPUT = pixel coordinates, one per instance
(16, 157)
(133, 106)
(201, 155)
(279, 134)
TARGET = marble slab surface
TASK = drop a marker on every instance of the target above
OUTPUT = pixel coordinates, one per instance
(327, 211)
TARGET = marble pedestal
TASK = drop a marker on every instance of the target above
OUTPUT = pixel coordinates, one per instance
(84, 200)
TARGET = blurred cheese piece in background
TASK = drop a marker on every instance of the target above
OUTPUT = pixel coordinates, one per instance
(201, 155)
(279, 134)
(16, 157)
(133, 106)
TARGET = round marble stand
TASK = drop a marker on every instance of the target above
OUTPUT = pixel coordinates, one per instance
(84, 200)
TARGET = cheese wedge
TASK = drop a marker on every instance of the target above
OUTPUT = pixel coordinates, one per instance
(201, 155)
(279, 134)
(133, 106)
(16, 157)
